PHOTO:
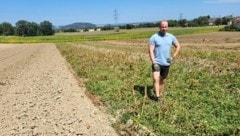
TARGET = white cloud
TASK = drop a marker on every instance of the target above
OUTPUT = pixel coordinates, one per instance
(222, 1)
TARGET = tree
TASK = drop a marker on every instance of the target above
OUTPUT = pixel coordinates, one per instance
(173, 23)
(232, 27)
(183, 23)
(108, 27)
(32, 29)
(1, 29)
(21, 28)
(226, 19)
(149, 24)
(129, 26)
(25, 28)
(46, 28)
(193, 23)
(218, 21)
(6, 28)
(203, 20)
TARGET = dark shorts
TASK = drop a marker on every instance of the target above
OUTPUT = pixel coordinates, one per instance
(162, 69)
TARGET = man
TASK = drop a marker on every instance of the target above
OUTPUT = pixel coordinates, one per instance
(160, 54)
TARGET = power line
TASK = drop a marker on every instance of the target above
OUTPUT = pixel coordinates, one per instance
(181, 16)
(115, 16)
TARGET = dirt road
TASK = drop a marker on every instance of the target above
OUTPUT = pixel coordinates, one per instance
(40, 96)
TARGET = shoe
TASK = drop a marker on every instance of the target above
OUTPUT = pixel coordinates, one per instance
(159, 100)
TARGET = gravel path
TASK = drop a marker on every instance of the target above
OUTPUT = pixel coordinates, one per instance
(40, 96)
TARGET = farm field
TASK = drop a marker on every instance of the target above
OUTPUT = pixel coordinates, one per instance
(102, 35)
(40, 96)
(202, 91)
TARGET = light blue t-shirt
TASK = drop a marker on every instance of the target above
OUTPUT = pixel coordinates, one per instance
(163, 46)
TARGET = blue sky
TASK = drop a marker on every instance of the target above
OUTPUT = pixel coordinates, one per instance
(63, 12)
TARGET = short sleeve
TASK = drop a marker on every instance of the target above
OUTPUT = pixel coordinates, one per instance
(174, 40)
(151, 41)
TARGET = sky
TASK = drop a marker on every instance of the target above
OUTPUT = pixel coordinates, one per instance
(64, 12)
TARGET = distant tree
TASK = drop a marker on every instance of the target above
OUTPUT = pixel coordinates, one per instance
(226, 19)
(173, 23)
(232, 27)
(1, 29)
(193, 23)
(70, 30)
(129, 26)
(218, 21)
(25, 28)
(46, 28)
(32, 29)
(183, 22)
(203, 20)
(149, 24)
(85, 29)
(6, 29)
(200, 21)
(108, 27)
(22, 28)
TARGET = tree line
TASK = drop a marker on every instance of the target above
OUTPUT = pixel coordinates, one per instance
(26, 28)
(197, 22)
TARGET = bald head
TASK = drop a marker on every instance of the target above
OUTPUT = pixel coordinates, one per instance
(163, 26)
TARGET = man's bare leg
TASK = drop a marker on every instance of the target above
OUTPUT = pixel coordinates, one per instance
(156, 80)
(161, 86)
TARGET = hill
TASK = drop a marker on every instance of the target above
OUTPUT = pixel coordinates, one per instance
(79, 25)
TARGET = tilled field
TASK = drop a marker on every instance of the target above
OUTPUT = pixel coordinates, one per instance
(40, 96)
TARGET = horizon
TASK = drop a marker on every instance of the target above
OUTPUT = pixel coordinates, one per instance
(99, 12)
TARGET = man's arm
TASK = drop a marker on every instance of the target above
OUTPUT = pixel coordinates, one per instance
(177, 49)
(151, 53)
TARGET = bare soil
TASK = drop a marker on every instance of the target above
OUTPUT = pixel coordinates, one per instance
(194, 39)
(215, 37)
(225, 41)
(39, 95)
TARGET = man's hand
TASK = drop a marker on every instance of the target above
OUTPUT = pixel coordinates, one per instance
(169, 60)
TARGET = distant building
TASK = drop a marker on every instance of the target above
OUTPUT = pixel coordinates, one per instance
(91, 30)
(80, 30)
(211, 21)
(229, 22)
(98, 29)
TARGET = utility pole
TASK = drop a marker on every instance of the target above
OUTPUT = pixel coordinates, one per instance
(181, 16)
(115, 17)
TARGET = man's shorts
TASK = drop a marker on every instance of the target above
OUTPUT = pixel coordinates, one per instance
(162, 69)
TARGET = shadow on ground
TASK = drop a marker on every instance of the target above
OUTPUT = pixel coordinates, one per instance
(145, 91)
